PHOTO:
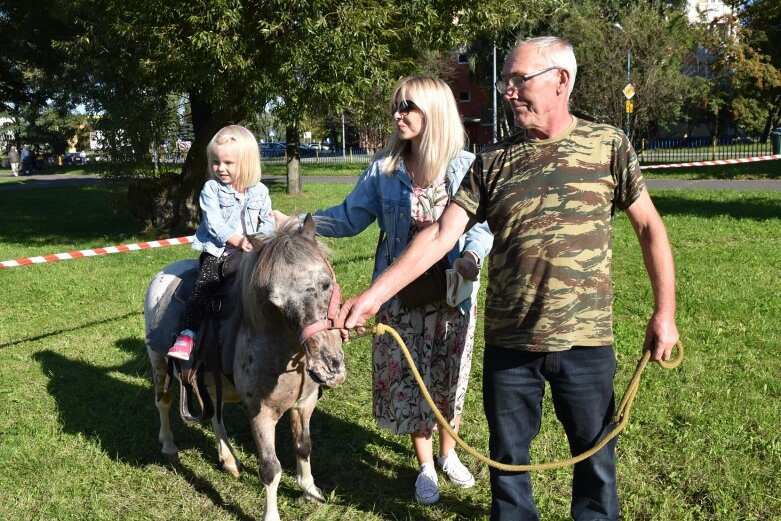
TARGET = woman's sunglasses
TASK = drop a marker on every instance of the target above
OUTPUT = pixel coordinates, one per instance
(403, 107)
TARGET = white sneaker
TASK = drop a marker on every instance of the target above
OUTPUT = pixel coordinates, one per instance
(426, 486)
(455, 470)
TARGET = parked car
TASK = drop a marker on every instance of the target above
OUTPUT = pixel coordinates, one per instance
(271, 149)
(74, 158)
(742, 139)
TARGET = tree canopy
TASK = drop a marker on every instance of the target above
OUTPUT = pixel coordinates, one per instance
(232, 58)
(135, 63)
(655, 40)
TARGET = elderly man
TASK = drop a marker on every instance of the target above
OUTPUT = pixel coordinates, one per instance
(548, 193)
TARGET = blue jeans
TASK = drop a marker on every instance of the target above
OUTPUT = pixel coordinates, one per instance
(581, 382)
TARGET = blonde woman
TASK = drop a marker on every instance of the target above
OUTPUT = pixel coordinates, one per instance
(405, 189)
(233, 204)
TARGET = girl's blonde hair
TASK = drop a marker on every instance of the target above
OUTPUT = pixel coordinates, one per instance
(444, 136)
(247, 153)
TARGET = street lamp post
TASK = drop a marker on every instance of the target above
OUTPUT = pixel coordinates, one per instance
(628, 82)
(494, 133)
(628, 90)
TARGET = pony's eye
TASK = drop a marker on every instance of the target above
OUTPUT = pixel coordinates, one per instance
(325, 285)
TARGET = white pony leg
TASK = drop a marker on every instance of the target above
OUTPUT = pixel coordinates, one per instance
(270, 511)
(163, 403)
(229, 461)
(299, 418)
(170, 451)
(306, 481)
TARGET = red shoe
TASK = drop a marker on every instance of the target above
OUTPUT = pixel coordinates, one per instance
(182, 347)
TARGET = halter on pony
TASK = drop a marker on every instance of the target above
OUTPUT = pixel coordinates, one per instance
(329, 322)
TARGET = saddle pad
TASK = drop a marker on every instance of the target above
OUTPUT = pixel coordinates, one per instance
(166, 323)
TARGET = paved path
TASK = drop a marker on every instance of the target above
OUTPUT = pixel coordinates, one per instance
(53, 180)
(714, 184)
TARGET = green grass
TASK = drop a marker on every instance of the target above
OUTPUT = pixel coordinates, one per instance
(78, 426)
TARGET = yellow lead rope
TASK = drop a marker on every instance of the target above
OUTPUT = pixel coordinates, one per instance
(620, 419)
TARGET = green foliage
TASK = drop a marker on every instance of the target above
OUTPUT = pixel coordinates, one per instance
(34, 90)
(743, 83)
(658, 38)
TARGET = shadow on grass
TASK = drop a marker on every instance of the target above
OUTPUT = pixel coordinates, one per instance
(65, 215)
(123, 419)
(69, 329)
(739, 205)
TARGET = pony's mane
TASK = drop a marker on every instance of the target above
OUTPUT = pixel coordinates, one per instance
(270, 262)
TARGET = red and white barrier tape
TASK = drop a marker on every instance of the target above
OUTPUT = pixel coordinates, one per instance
(97, 251)
(715, 162)
(184, 240)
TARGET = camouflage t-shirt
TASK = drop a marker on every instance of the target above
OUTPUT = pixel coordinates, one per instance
(550, 204)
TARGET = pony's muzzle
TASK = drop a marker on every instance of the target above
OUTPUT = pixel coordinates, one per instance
(325, 359)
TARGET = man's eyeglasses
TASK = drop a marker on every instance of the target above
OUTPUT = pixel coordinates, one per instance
(517, 82)
(403, 107)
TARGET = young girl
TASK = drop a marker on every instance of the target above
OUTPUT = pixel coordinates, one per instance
(233, 205)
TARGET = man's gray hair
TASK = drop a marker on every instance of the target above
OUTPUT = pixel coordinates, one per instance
(557, 52)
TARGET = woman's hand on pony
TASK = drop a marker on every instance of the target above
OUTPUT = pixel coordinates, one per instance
(280, 219)
(240, 241)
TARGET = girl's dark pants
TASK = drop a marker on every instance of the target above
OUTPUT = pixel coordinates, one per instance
(207, 284)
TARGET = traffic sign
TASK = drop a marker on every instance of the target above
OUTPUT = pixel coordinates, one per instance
(629, 91)
(630, 106)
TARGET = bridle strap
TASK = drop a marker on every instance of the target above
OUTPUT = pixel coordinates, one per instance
(329, 322)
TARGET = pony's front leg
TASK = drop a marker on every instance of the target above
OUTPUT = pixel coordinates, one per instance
(163, 402)
(299, 419)
(263, 421)
(229, 461)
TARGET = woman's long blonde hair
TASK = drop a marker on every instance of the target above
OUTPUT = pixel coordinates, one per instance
(444, 136)
(247, 154)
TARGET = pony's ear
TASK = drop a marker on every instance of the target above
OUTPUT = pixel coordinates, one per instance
(309, 228)
(256, 243)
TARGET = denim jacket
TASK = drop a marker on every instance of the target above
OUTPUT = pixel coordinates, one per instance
(221, 211)
(387, 199)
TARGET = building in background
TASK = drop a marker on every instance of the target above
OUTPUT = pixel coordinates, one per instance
(712, 9)
(474, 102)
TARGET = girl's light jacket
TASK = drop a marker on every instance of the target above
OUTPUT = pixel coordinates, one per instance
(221, 214)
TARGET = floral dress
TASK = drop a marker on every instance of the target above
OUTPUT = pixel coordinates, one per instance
(439, 338)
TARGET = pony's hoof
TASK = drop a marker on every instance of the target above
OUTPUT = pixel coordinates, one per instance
(313, 493)
(233, 470)
(171, 457)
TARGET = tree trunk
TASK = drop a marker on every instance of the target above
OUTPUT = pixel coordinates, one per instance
(293, 161)
(170, 204)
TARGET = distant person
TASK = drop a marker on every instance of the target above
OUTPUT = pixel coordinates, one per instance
(13, 159)
(233, 205)
(27, 161)
(549, 193)
(405, 189)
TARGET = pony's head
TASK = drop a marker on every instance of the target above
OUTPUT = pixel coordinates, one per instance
(287, 280)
